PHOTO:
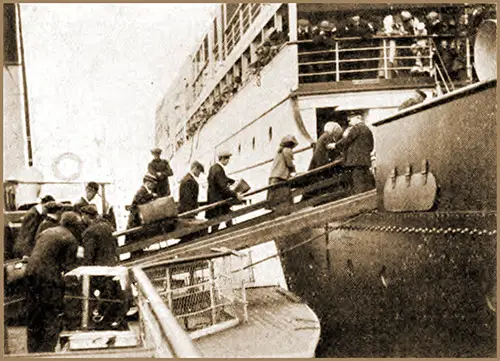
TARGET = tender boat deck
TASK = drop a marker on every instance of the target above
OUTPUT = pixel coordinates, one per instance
(279, 325)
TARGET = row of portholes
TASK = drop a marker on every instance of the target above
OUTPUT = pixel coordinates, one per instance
(270, 135)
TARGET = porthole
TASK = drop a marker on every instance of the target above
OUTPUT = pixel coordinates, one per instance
(270, 133)
(253, 143)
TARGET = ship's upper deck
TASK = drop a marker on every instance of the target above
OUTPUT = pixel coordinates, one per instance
(386, 47)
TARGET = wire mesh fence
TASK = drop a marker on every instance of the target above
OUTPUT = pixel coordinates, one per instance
(204, 292)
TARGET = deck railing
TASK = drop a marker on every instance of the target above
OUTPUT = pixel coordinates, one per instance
(203, 294)
(379, 57)
(160, 330)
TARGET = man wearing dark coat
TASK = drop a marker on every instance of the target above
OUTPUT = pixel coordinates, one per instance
(189, 188)
(144, 195)
(98, 241)
(218, 188)
(332, 132)
(161, 170)
(26, 238)
(188, 195)
(56, 251)
(357, 27)
(357, 144)
(52, 215)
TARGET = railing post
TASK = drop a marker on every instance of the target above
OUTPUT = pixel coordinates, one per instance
(244, 299)
(85, 302)
(384, 45)
(337, 65)
(430, 44)
(168, 286)
(467, 59)
(212, 291)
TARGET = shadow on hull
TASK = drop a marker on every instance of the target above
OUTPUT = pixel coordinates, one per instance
(417, 283)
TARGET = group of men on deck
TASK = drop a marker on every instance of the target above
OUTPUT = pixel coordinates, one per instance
(55, 238)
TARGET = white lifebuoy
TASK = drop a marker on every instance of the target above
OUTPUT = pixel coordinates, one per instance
(67, 160)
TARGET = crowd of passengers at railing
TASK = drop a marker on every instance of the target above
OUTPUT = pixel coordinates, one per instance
(413, 54)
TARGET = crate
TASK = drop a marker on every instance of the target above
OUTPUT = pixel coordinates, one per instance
(96, 298)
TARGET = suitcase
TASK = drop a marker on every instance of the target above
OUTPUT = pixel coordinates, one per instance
(161, 208)
(241, 186)
(96, 298)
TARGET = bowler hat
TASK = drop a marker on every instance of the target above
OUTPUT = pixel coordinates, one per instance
(150, 178)
(156, 150)
(53, 207)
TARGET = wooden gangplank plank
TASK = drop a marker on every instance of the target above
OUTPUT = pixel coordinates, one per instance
(269, 230)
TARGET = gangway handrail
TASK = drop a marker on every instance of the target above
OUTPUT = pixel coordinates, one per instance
(179, 342)
(341, 209)
(231, 201)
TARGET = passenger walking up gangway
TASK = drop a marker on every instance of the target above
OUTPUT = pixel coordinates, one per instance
(282, 221)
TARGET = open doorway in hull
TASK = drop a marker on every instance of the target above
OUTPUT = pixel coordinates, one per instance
(331, 114)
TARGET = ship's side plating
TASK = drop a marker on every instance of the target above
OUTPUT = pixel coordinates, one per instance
(415, 278)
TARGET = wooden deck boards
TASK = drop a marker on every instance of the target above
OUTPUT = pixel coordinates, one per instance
(278, 326)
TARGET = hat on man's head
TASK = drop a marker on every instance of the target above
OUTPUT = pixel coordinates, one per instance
(326, 25)
(303, 22)
(150, 178)
(224, 153)
(289, 140)
(70, 219)
(406, 15)
(93, 185)
(198, 165)
(156, 151)
(90, 210)
(53, 207)
(47, 198)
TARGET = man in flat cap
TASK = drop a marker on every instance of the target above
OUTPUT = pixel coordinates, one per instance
(144, 195)
(218, 188)
(161, 170)
(57, 251)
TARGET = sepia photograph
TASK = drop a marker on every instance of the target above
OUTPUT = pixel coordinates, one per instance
(250, 180)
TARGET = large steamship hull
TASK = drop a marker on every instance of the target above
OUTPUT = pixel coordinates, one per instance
(421, 283)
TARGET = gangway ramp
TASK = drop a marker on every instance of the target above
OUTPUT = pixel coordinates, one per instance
(274, 228)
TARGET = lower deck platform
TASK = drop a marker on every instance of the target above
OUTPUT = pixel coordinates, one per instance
(279, 325)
